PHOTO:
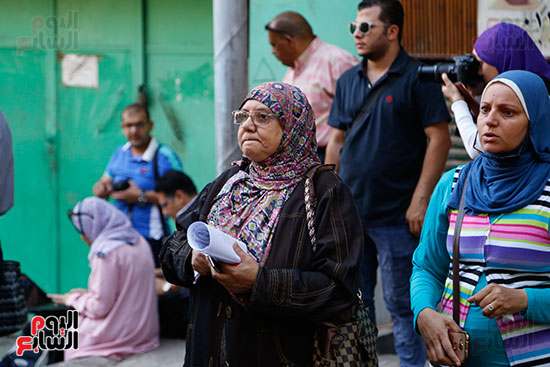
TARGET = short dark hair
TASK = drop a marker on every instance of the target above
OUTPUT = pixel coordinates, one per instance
(136, 108)
(391, 12)
(291, 23)
(173, 181)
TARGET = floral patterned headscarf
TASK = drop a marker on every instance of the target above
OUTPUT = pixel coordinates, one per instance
(249, 204)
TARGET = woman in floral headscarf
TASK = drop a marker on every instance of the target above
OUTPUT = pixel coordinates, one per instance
(263, 312)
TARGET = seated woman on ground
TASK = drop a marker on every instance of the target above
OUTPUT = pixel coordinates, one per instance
(118, 311)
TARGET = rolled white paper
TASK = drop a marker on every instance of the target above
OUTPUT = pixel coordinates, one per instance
(213, 242)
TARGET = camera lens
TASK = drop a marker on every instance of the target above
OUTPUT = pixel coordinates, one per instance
(432, 73)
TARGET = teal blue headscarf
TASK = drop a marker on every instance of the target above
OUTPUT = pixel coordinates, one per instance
(503, 183)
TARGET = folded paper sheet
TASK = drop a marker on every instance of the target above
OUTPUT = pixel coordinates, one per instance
(213, 242)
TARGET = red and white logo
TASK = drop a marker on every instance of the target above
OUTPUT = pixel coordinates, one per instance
(51, 333)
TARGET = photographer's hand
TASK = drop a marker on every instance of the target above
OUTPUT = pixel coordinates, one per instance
(450, 90)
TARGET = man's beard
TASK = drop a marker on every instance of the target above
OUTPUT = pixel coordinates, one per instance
(377, 52)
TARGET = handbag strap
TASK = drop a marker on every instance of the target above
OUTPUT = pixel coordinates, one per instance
(311, 200)
(456, 256)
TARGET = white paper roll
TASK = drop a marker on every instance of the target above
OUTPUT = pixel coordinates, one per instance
(213, 242)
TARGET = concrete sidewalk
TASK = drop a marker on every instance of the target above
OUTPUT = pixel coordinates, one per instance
(170, 354)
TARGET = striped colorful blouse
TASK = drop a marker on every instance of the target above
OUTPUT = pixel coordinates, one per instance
(511, 250)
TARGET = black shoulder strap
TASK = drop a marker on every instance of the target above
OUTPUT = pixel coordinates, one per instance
(165, 228)
(371, 98)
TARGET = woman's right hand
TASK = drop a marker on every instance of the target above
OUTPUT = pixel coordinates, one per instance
(434, 328)
(450, 90)
(199, 262)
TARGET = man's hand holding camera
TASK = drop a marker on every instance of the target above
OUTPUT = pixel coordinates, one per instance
(130, 195)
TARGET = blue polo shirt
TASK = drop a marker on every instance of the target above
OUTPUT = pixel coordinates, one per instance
(381, 160)
(140, 169)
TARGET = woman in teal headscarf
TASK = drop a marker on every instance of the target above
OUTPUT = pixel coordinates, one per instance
(505, 239)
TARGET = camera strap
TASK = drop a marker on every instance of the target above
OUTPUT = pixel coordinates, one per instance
(165, 228)
(456, 256)
(372, 97)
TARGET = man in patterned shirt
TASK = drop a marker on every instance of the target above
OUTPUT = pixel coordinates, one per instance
(314, 66)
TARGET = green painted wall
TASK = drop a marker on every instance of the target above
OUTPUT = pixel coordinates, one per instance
(64, 136)
(329, 20)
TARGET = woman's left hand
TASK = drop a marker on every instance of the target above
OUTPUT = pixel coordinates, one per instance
(497, 300)
(237, 278)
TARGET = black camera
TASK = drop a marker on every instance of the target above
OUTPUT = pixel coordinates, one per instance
(121, 185)
(465, 69)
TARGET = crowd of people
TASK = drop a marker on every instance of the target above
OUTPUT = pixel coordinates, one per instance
(341, 173)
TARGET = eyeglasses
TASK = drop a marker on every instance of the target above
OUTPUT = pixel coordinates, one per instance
(138, 125)
(259, 118)
(364, 27)
(70, 214)
(165, 202)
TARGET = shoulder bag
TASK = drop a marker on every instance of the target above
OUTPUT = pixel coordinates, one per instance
(13, 308)
(351, 344)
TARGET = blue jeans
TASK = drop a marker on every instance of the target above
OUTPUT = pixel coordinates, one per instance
(395, 246)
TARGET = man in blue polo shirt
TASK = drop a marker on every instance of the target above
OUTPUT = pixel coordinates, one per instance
(140, 162)
(385, 160)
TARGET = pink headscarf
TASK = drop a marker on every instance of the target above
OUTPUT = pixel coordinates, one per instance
(104, 225)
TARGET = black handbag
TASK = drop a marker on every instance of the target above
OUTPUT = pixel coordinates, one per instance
(13, 308)
(351, 344)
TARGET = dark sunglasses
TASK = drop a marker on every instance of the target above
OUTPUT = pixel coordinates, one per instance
(364, 27)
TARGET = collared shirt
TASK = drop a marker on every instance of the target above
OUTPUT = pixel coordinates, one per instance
(140, 169)
(382, 159)
(6, 166)
(315, 72)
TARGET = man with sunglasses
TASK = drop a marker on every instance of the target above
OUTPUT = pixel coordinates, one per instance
(314, 66)
(382, 118)
(137, 164)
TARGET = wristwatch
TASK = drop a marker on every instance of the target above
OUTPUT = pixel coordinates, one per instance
(166, 287)
(142, 199)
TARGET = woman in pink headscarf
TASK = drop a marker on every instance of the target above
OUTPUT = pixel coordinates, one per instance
(500, 48)
(118, 311)
(264, 311)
